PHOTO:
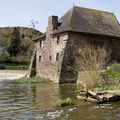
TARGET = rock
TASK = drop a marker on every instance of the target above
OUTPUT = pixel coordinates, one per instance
(108, 97)
(89, 99)
(115, 97)
(81, 97)
(100, 97)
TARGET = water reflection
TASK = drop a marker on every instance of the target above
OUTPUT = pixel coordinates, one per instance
(44, 96)
(38, 102)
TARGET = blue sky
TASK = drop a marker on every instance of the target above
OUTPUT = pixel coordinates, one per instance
(21, 12)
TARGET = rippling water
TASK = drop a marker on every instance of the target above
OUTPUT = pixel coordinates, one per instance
(37, 102)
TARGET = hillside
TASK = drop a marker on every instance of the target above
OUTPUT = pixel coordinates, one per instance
(27, 34)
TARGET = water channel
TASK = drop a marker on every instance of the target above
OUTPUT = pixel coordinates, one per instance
(38, 102)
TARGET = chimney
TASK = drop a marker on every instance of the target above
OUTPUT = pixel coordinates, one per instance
(52, 24)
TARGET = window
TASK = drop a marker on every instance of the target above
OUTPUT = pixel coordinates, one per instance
(50, 57)
(59, 24)
(57, 56)
(58, 39)
(40, 58)
(41, 43)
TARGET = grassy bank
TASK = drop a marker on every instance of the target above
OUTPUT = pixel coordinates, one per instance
(113, 72)
(34, 80)
(15, 66)
(110, 87)
(79, 87)
(14, 63)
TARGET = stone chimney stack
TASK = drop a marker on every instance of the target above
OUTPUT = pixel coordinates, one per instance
(52, 24)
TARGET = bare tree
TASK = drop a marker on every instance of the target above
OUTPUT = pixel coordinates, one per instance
(33, 23)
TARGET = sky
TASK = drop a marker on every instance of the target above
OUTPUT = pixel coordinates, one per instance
(22, 12)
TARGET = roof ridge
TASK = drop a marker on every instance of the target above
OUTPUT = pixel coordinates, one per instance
(94, 9)
(71, 16)
(116, 19)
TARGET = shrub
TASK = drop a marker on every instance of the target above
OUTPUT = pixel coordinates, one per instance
(20, 58)
(4, 58)
(91, 60)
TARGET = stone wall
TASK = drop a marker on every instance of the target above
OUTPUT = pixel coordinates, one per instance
(48, 66)
(69, 73)
(115, 45)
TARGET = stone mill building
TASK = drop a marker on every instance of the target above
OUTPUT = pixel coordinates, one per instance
(54, 53)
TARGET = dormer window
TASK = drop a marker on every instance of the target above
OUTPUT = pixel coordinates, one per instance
(41, 43)
(58, 39)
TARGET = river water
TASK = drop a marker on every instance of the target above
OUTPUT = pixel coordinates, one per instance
(38, 102)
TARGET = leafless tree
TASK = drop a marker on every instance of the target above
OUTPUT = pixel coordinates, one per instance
(33, 23)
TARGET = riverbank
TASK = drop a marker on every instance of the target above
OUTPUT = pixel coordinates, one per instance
(12, 74)
(14, 66)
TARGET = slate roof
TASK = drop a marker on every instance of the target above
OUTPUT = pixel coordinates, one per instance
(86, 20)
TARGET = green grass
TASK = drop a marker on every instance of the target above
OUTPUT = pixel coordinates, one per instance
(99, 89)
(79, 87)
(66, 102)
(15, 63)
(112, 74)
(102, 89)
(33, 80)
(115, 67)
(16, 67)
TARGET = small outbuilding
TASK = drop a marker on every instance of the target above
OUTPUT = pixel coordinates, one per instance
(3, 51)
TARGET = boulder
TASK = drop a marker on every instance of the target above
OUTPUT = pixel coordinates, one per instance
(99, 97)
